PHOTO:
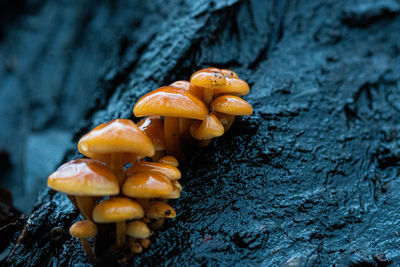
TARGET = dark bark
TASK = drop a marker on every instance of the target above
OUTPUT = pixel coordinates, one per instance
(312, 177)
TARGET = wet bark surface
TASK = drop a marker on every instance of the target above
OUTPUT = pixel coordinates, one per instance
(311, 178)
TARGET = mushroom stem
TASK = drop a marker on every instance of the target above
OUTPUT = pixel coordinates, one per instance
(171, 135)
(208, 95)
(85, 205)
(88, 249)
(157, 156)
(120, 232)
(184, 128)
(117, 166)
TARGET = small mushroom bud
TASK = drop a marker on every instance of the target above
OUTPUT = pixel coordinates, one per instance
(145, 242)
(136, 248)
(85, 230)
(159, 209)
(232, 105)
(137, 229)
(118, 210)
(166, 170)
(170, 160)
(207, 129)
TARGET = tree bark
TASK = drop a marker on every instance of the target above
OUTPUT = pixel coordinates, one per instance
(311, 178)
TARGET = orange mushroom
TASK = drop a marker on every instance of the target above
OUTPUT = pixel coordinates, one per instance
(234, 86)
(147, 185)
(229, 73)
(232, 105)
(116, 142)
(85, 230)
(172, 103)
(209, 80)
(117, 210)
(84, 179)
(207, 129)
(225, 119)
(170, 172)
(170, 160)
(153, 127)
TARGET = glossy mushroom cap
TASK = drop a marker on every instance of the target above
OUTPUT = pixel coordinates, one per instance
(147, 185)
(208, 78)
(181, 85)
(153, 127)
(170, 172)
(207, 129)
(83, 229)
(159, 209)
(234, 86)
(117, 209)
(176, 192)
(225, 119)
(232, 105)
(170, 160)
(170, 102)
(229, 73)
(84, 177)
(116, 136)
(137, 229)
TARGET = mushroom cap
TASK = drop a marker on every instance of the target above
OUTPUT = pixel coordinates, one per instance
(153, 127)
(83, 229)
(116, 136)
(170, 102)
(147, 185)
(159, 209)
(229, 73)
(176, 192)
(84, 177)
(170, 172)
(117, 209)
(170, 160)
(209, 128)
(137, 229)
(208, 78)
(232, 105)
(181, 85)
(234, 86)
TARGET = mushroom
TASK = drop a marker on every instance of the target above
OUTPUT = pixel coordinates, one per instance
(172, 103)
(184, 124)
(147, 185)
(118, 210)
(137, 229)
(229, 73)
(170, 172)
(85, 230)
(158, 209)
(176, 191)
(232, 105)
(234, 86)
(84, 179)
(209, 79)
(207, 129)
(153, 127)
(170, 160)
(116, 142)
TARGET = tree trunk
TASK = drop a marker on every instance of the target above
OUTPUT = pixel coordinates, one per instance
(311, 178)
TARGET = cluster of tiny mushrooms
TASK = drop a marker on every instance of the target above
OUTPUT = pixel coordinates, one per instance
(105, 189)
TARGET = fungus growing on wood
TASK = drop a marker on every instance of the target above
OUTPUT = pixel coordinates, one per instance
(84, 179)
(232, 105)
(209, 80)
(116, 142)
(172, 103)
(84, 230)
(207, 129)
(147, 185)
(117, 210)
(158, 209)
(170, 172)
(170, 160)
(137, 229)
(234, 86)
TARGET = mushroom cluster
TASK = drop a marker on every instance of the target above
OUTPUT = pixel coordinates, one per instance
(131, 171)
